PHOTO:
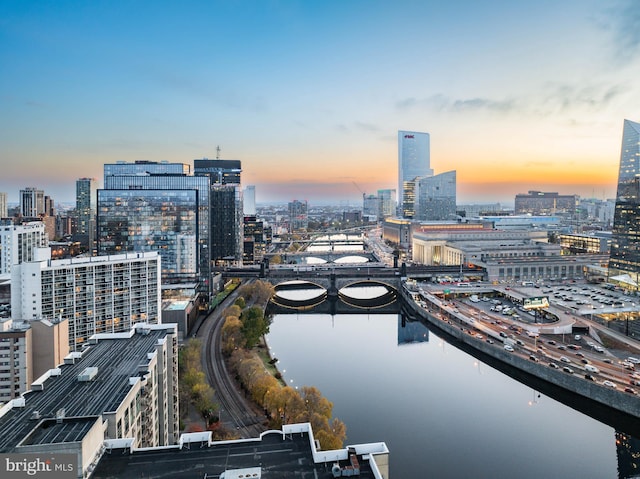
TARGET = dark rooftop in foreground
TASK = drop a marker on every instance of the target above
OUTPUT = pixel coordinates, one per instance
(278, 455)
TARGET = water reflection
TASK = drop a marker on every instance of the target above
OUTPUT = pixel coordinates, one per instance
(443, 412)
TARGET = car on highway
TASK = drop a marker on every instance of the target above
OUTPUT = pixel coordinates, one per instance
(591, 368)
(630, 390)
(508, 348)
(589, 377)
(567, 369)
(533, 358)
(633, 360)
(554, 366)
(609, 384)
(565, 359)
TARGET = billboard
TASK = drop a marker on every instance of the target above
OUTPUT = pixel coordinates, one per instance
(537, 302)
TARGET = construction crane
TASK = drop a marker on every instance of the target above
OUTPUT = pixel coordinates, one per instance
(359, 189)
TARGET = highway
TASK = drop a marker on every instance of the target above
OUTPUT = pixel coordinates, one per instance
(576, 352)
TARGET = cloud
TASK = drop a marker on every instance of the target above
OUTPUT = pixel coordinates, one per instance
(443, 103)
(565, 97)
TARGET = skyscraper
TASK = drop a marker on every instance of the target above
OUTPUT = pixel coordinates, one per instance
(413, 161)
(625, 244)
(149, 206)
(86, 211)
(226, 216)
(3, 205)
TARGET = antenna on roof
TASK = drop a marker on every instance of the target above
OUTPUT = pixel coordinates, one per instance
(218, 152)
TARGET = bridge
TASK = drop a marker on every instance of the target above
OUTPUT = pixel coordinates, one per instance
(329, 256)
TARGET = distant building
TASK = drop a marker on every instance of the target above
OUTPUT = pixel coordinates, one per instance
(4, 211)
(474, 210)
(298, 215)
(624, 264)
(435, 198)
(542, 203)
(387, 203)
(99, 294)
(31, 202)
(124, 389)
(86, 206)
(414, 160)
(249, 200)
(255, 241)
(371, 206)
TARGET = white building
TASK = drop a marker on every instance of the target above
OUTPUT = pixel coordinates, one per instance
(249, 201)
(17, 243)
(100, 294)
(4, 209)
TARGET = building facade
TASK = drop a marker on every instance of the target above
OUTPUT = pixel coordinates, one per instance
(31, 202)
(435, 198)
(86, 205)
(387, 203)
(625, 244)
(414, 160)
(18, 241)
(226, 208)
(545, 203)
(99, 294)
(124, 389)
(149, 206)
(298, 215)
(4, 207)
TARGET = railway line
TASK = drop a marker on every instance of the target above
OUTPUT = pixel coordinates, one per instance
(236, 412)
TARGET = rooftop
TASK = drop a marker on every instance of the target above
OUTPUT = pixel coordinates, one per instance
(277, 454)
(116, 361)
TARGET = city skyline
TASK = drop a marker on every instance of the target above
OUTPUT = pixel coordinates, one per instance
(310, 96)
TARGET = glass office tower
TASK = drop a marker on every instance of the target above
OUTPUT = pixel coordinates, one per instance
(163, 199)
(436, 197)
(414, 160)
(625, 245)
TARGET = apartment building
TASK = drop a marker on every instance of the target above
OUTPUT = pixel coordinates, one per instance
(99, 294)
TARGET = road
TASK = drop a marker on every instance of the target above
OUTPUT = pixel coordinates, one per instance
(561, 350)
(236, 412)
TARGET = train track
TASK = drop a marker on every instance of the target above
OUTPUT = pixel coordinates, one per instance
(236, 412)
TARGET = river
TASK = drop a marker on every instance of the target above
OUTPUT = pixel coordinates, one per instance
(441, 412)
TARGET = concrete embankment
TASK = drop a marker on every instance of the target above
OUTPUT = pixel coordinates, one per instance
(431, 308)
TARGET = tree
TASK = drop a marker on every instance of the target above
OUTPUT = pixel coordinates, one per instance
(240, 302)
(254, 326)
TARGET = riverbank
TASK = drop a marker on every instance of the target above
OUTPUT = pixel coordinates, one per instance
(458, 326)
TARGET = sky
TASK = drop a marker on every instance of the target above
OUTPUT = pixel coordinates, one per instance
(309, 95)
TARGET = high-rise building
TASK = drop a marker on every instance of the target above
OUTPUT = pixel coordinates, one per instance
(31, 202)
(298, 215)
(4, 211)
(625, 244)
(98, 294)
(223, 172)
(18, 243)
(86, 205)
(226, 210)
(370, 207)
(414, 160)
(249, 200)
(148, 206)
(436, 197)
